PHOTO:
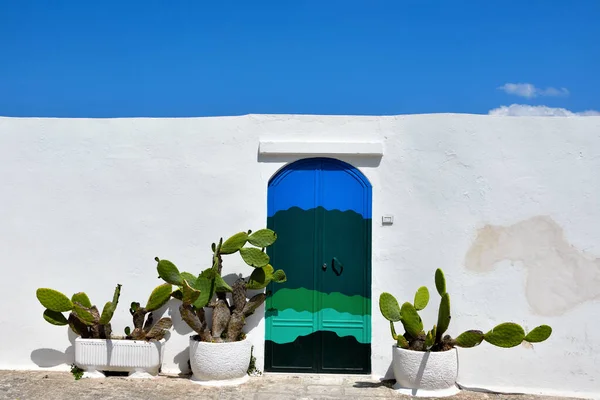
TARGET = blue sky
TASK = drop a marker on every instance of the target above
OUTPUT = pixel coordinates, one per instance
(201, 58)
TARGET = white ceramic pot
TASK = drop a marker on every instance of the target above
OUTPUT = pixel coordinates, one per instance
(140, 358)
(425, 374)
(220, 364)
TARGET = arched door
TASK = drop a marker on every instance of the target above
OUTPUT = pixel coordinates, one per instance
(320, 319)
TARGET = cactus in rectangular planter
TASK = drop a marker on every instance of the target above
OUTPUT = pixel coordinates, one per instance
(505, 335)
(84, 318)
(208, 289)
(144, 327)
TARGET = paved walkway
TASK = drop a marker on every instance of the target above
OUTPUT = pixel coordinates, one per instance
(23, 385)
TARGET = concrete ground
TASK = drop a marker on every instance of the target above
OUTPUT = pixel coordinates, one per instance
(22, 385)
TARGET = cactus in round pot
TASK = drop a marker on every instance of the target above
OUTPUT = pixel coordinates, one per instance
(437, 345)
(208, 289)
(84, 318)
(507, 334)
(230, 306)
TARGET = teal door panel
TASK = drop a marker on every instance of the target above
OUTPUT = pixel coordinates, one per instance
(319, 320)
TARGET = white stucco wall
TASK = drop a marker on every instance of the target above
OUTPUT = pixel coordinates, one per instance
(86, 204)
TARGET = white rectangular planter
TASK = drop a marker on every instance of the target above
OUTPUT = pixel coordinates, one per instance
(140, 358)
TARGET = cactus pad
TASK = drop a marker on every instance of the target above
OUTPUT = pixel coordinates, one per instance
(206, 285)
(107, 313)
(158, 329)
(421, 298)
(177, 294)
(279, 276)
(85, 314)
(402, 342)
(388, 305)
(262, 238)
(78, 326)
(393, 331)
(116, 294)
(55, 317)
(505, 335)
(82, 299)
(188, 277)
(220, 285)
(539, 334)
(234, 243)
(440, 281)
(109, 308)
(159, 297)
(54, 300)
(429, 340)
(470, 338)
(190, 295)
(260, 278)
(220, 318)
(254, 257)
(169, 272)
(236, 323)
(134, 307)
(411, 320)
(253, 304)
(443, 316)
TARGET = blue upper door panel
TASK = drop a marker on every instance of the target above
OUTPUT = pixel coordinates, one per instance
(325, 182)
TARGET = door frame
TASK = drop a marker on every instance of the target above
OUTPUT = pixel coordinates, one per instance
(367, 200)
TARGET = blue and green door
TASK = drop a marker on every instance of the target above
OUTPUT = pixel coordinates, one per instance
(319, 321)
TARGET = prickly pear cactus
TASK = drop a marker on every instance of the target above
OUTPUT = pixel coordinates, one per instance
(209, 289)
(504, 335)
(84, 318)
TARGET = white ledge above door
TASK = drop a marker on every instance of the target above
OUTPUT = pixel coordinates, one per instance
(362, 149)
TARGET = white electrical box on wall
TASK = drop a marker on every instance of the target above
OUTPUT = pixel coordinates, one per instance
(387, 220)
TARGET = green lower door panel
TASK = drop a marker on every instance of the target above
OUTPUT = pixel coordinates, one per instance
(343, 355)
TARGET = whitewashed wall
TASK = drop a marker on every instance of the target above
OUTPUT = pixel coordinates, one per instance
(509, 207)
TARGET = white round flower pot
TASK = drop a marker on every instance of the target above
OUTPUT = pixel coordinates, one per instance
(425, 374)
(140, 358)
(220, 364)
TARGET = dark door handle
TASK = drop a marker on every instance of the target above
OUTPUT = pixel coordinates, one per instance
(335, 261)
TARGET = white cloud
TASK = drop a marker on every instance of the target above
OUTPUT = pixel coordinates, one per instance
(528, 90)
(524, 110)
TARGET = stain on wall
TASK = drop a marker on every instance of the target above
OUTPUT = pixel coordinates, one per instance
(559, 276)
